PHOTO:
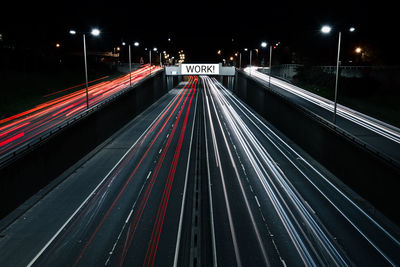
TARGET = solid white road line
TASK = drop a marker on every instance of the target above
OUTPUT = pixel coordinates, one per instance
(94, 190)
(179, 234)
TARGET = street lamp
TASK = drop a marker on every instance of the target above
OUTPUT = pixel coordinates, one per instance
(136, 44)
(251, 54)
(94, 32)
(264, 45)
(326, 30)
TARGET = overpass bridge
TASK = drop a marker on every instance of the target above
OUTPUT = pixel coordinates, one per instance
(217, 169)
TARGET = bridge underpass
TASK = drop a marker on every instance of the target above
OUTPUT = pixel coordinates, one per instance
(199, 178)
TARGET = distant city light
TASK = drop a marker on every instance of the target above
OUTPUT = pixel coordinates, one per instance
(73, 32)
(219, 52)
(58, 45)
(264, 44)
(118, 48)
(1, 37)
(358, 50)
(231, 58)
(326, 29)
(169, 39)
(136, 43)
(123, 43)
(352, 29)
(246, 49)
(155, 49)
(95, 32)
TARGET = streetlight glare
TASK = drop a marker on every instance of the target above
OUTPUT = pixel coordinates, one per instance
(326, 29)
(136, 43)
(95, 32)
(73, 32)
(352, 29)
(155, 49)
(358, 50)
(264, 44)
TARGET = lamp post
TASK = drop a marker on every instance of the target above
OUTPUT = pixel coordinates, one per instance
(94, 32)
(130, 65)
(251, 56)
(326, 30)
(270, 66)
(264, 45)
(86, 73)
(130, 61)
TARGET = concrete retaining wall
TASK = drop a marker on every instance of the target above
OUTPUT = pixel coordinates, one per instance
(371, 176)
(26, 175)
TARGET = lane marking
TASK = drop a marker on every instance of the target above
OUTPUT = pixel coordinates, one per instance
(179, 233)
(96, 188)
(258, 203)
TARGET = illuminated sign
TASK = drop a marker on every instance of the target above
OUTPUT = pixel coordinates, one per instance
(200, 69)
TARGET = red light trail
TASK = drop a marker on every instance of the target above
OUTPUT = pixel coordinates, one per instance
(21, 128)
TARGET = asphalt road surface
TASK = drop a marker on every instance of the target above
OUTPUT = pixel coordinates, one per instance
(199, 179)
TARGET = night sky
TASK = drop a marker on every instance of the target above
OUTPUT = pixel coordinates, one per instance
(202, 27)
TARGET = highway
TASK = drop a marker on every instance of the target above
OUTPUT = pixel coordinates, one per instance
(199, 179)
(382, 136)
(22, 128)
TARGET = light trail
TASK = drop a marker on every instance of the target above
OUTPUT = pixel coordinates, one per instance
(361, 119)
(100, 190)
(254, 148)
(54, 112)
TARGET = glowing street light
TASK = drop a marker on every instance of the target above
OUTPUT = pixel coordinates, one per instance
(264, 45)
(358, 50)
(94, 32)
(136, 44)
(326, 30)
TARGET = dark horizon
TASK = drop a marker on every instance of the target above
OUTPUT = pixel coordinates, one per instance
(200, 30)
